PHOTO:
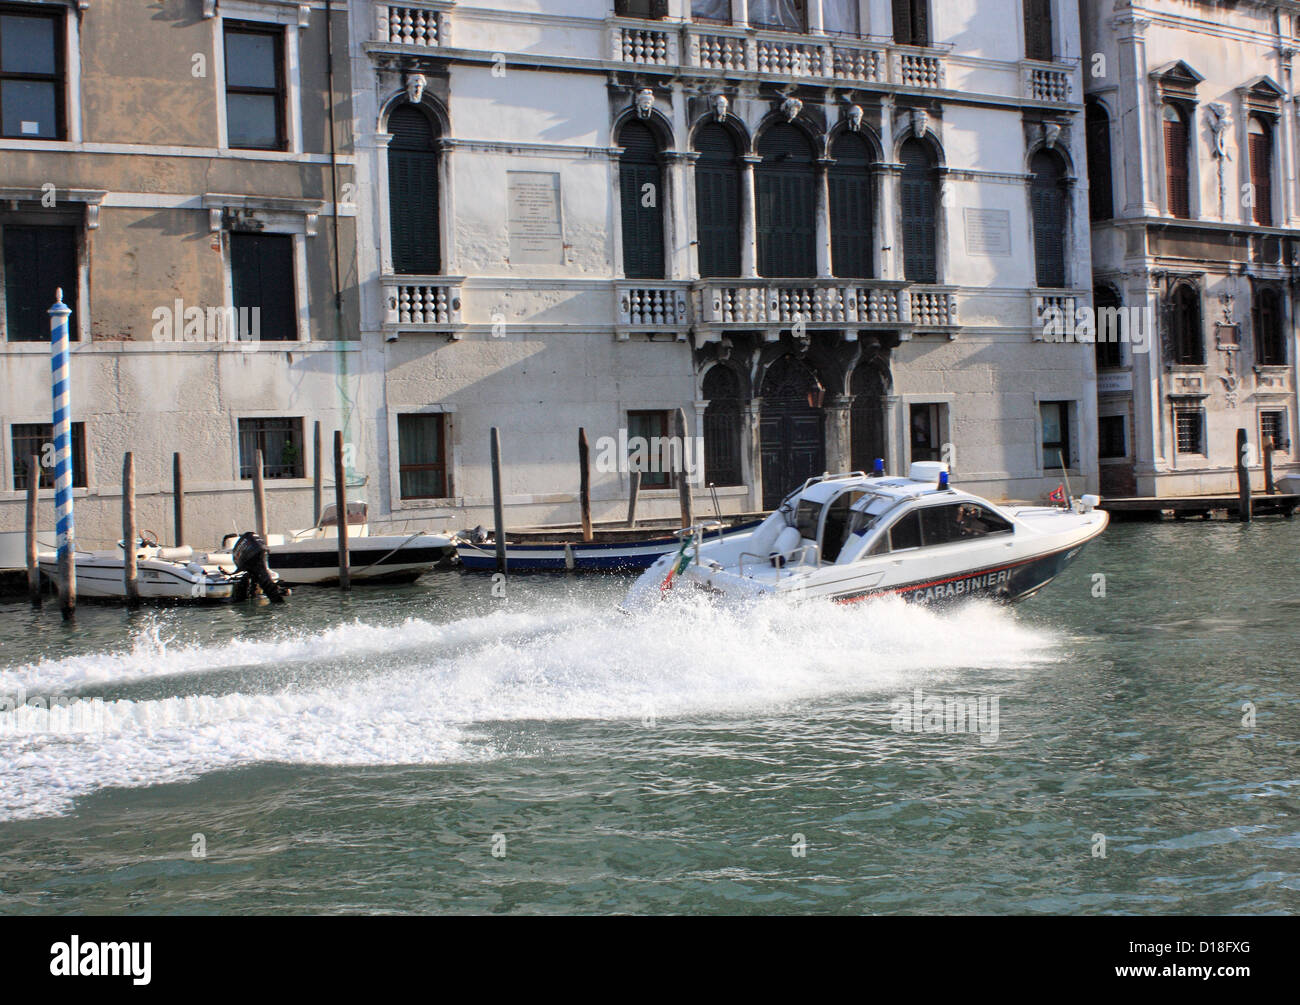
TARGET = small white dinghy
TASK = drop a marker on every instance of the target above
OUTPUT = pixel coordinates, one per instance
(311, 556)
(848, 537)
(161, 574)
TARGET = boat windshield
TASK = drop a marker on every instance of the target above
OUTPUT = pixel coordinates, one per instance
(807, 518)
(866, 517)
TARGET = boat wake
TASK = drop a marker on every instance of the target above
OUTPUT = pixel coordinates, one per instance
(425, 693)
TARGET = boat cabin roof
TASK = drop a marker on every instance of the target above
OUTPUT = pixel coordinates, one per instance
(897, 489)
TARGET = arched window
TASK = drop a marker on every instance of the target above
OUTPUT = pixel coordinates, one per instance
(1101, 202)
(919, 195)
(717, 202)
(1109, 327)
(722, 426)
(852, 218)
(1186, 336)
(1261, 170)
(911, 22)
(1177, 147)
(1270, 346)
(1047, 196)
(787, 228)
(413, 192)
(1038, 29)
(640, 178)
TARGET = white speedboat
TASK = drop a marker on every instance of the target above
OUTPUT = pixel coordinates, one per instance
(311, 556)
(851, 536)
(161, 574)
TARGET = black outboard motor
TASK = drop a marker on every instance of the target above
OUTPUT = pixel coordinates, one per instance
(250, 554)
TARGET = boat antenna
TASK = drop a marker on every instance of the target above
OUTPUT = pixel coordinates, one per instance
(1068, 495)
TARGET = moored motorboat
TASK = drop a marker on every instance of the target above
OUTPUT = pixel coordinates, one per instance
(847, 537)
(171, 574)
(310, 557)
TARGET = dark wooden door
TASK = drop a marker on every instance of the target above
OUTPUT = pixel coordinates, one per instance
(1261, 176)
(867, 417)
(1038, 29)
(413, 193)
(717, 203)
(38, 261)
(1048, 200)
(791, 429)
(920, 217)
(261, 275)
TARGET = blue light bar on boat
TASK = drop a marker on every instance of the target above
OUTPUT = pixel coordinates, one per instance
(943, 479)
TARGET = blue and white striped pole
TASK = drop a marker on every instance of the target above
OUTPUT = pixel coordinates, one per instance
(61, 386)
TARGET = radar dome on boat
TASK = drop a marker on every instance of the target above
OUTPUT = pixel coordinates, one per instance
(926, 471)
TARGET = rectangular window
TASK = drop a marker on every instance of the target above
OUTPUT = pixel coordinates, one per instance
(716, 11)
(262, 281)
(1189, 425)
(927, 421)
(1273, 423)
(422, 456)
(37, 438)
(280, 441)
(650, 9)
(255, 96)
(38, 261)
(31, 74)
(650, 426)
(911, 22)
(1111, 437)
(781, 15)
(1056, 434)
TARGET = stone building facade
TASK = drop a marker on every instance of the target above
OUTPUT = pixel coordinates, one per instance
(172, 167)
(1191, 122)
(828, 230)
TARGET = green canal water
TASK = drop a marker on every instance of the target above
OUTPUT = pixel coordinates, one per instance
(438, 749)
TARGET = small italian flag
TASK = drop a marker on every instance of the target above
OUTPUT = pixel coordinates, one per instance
(680, 561)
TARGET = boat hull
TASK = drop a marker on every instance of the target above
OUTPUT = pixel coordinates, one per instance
(102, 579)
(370, 559)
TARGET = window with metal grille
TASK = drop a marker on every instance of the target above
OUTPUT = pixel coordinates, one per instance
(919, 194)
(1185, 324)
(413, 198)
(1111, 438)
(911, 22)
(255, 93)
(422, 455)
(1047, 196)
(38, 261)
(723, 421)
(279, 439)
(1273, 424)
(640, 177)
(261, 279)
(1177, 149)
(786, 183)
(1101, 204)
(1189, 427)
(717, 202)
(852, 215)
(650, 426)
(1055, 417)
(1270, 343)
(1038, 29)
(1260, 135)
(32, 86)
(1109, 327)
(28, 438)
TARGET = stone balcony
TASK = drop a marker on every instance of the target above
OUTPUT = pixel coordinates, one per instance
(419, 304)
(411, 25)
(774, 305)
(643, 305)
(1046, 82)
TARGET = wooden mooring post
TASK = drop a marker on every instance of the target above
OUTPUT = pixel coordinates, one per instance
(683, 476)
(498, 509)
(259, 495)
(1268, 466)
(129, 571)
(341, 508)
(33, 495)
(634, 490)
(178, 501)
(584, 484)
(317, 476)
(1243, 479)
